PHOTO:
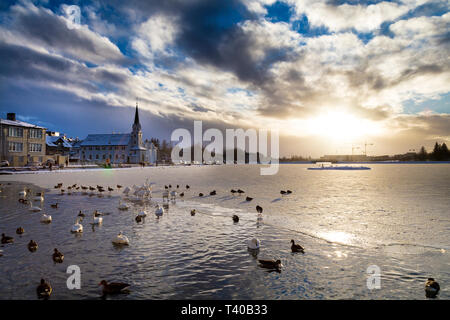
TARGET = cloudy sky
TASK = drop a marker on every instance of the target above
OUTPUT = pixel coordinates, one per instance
(328, 74)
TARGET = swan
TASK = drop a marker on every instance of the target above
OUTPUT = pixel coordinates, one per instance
(159, 210)
(123, 206)
(38, 197)
(431, 288)
(34, 209)
(142, 214)
(121, 240)
(46, 218)
(97, 219)
(253, 244)
(77, 227)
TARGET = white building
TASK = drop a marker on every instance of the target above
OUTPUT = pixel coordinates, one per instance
(118, 147)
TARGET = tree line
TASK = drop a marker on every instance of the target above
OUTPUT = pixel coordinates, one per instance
(440, 153)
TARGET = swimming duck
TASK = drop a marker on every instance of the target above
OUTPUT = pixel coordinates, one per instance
(240, 191)
(282, 192)
(97, 219)
(138, 218)
(288, 191)
(46, 218)
(159, 210)
(81, 214)
(233, 191)
(296, 247)
(212, 193)
(6, 239)
(200, 194)
(193, 212)
(55, 205)
(248, 199)
(32, 246)
(187, 186)
(235, 218)
(77, 227)
(20, 230)
(113, 287)
(182, 194)
(259, 209)
(110, 189)
(431, 288)
(57, 256)
(253, 244)
(121, 240)
(44, 290)
(270, 264)
(118, 186)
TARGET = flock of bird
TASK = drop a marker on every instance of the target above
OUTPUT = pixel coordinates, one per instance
(142, 193)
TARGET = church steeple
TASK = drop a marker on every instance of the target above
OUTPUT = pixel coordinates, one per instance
(136, 115)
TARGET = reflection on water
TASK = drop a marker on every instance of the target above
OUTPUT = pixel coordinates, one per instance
(393, 216)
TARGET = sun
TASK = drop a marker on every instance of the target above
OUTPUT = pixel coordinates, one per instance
(340, 126)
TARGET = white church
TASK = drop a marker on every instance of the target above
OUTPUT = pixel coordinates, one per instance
(118, 147)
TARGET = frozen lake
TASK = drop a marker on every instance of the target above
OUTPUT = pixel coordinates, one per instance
(395, 216)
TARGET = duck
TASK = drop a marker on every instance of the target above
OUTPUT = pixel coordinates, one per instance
(77, 227)
(296, 247)
(97, 219)
(84, 188)
(44, 289)
(20, 230)
(431, 288)
(81, 214)
(182, 194)
(32, 246)
(187, 186)
(240, 191)
(233, 191)
(46, 218)
(138, 219)
(6, 239)
(270, 264)
(118, 186)
(193, 212)
(253, 244)
(55, 205)
(200, 194)
(24, 201)
(113, 287)
(121, 240)
(57, 256)
(123, 206)
(34, 208)
(282, 192)
(39, 197)
(288, 191)
(235, 218)
(259, 209)
(248, 199)
(110, 189)
(159, 210)
(212, 193)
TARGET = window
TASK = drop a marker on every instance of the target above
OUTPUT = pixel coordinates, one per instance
(96, 156)
(103, 148)
(15, 146)
(90, 157)
(104, 156)
(35, 133)
(117, 156)
(35, 147)
(15, 132)
(97, 148)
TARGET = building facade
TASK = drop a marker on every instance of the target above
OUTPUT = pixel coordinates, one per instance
(117, 148)
(21, 143)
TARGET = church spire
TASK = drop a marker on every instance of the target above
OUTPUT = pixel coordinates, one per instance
(136, 115)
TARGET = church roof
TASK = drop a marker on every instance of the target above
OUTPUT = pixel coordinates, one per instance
(136, 115)
(114, 139)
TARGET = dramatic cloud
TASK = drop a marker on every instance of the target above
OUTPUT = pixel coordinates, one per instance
(240, 63)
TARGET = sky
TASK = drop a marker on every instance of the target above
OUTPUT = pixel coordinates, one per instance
(330, 75)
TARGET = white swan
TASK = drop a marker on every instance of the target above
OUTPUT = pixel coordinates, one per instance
(46, 218)
(33, 208)
(77, 227)
(159, 211)
(39, 197)
(142, 214)
(253, 244)
(123, 206)
(120, 239)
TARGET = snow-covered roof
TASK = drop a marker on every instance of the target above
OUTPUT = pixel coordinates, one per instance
(19, 124)
(51, 141)
(114, 139)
